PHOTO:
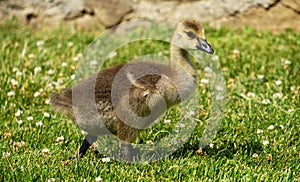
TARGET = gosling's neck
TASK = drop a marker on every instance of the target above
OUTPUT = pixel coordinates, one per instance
(181, 60)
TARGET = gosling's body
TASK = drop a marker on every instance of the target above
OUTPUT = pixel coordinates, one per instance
(163, 86)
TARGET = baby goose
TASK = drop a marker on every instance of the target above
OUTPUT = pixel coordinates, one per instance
(149, 94)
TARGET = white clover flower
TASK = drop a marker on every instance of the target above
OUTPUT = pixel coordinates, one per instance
(37, 69)
(167, 121)
(219, 88)
(265, 142)
(79, 55)
(29, 118)
(18, 144)
(181, 125)
(278, 82)
(191, 113)
(36, 94)
(15, 69)
(31, 56)
(47, 101)
(93, 62)
(18, 113)
(211, 145)
(271, 127)
(236, 51)
(76, 58)
(269, 157)
(20, 122)
(64, 64)
(255, 155)
(60, 139)
(98, 179)
(149, 142)
(220, 97)
(260, 77)
(251, 94)
(207, 70)
(266, 101)
(47, 115)
(39, 123)
(204, 80)
(215, 58)
(259, 131)
(106, 159)
(45, 150)
(50, 85)
(293, 88)
(60, 80)
(51, 72)
(277, 95)
(19, 73)
(14, 82)
(290, 110)
(40, 43)
(286, 61)
(51, 180)
(70, 44)
(73, 77)
(5, 154)
(10, 93)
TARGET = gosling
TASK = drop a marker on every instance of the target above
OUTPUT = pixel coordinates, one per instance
(147, 94)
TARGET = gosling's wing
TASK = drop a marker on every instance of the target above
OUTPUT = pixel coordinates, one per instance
(95, 88)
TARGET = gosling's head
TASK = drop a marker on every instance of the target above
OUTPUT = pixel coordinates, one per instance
(189, 35)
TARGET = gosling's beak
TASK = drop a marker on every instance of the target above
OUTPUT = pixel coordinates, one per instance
(204, 46)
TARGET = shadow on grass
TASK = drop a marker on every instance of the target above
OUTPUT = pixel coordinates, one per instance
(227, 150)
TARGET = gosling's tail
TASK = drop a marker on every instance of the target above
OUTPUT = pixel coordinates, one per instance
(62, 103)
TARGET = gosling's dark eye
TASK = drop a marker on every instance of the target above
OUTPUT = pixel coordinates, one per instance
(190, 34)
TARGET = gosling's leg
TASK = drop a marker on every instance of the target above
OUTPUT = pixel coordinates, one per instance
(88, 141)
(127, 151)
(127, 134)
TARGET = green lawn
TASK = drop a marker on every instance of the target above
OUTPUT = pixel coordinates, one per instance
(257, 141)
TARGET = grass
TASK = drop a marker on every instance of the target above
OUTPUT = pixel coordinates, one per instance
(257, 141)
